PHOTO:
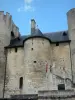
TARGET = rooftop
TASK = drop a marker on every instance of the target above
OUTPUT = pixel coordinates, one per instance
(54, 37)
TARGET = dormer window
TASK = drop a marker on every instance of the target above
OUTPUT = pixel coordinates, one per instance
(64, 33)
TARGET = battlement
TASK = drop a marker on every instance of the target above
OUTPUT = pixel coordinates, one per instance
(7, 19)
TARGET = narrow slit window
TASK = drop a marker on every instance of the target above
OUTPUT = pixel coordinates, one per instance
(15, 49)
(31, 48)
(21, 83)
(64, 33)
(61, 87)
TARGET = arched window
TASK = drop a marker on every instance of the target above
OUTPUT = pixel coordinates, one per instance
(21, 83)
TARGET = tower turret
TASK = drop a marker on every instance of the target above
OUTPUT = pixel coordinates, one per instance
(37, 60)
(71, 32)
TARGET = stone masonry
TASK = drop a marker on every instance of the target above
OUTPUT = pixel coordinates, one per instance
(40, 64)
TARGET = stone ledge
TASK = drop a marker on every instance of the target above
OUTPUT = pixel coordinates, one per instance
(26, 97)
(56, 94)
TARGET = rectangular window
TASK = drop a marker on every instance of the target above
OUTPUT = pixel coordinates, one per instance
(61, 87)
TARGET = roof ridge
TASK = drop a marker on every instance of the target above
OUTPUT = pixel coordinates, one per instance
(57, 31)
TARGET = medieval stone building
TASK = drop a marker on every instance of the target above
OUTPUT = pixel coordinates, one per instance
(39, 62)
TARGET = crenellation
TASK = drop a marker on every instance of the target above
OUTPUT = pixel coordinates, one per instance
(5, 37)
(8, 14)
(1, 15)
(15, 29)
(8, 18)
(17, 32)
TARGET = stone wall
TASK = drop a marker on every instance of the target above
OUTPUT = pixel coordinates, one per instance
(71, 31)
(5, 37)
(4, 41)
(61, 65)
(14, 70)
(42, 65)
(56, 95)
(37, 61)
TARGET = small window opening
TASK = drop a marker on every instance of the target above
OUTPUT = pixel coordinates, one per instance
(15, 49)
(21, 83)
(61, 87)
(32, 41)
(57, 44)
(34, 61)
(50, 68)
(64, 34)
(31, 48)
(12, 33)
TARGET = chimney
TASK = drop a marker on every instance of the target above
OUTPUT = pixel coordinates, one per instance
(33, 26)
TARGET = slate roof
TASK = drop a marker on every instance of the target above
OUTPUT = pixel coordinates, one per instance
(54, 37)
(61, 36)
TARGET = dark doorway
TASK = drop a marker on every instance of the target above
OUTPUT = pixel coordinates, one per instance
(61, 87)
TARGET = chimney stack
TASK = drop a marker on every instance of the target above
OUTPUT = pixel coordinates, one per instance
(33, 26)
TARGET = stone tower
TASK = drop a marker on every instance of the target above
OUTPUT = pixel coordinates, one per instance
(6, 28)
(71, 32)
(37, 54)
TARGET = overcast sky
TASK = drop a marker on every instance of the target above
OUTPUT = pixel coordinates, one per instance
(50, 15)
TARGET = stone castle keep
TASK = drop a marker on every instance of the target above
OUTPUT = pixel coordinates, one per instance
(39, 63)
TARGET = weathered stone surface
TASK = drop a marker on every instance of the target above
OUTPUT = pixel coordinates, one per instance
(5, 37)
(61, 68)
(31, 65)
(56, 95)
(42, 65)
(71, 31)
(15, 70)
(35, 73)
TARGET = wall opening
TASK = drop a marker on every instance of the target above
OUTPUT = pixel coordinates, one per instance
(21, 82)
(15, 49)
(61, 87)
(31, 48)
(57, 44)
(12, 33)
(32, 41)
(34, 61)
